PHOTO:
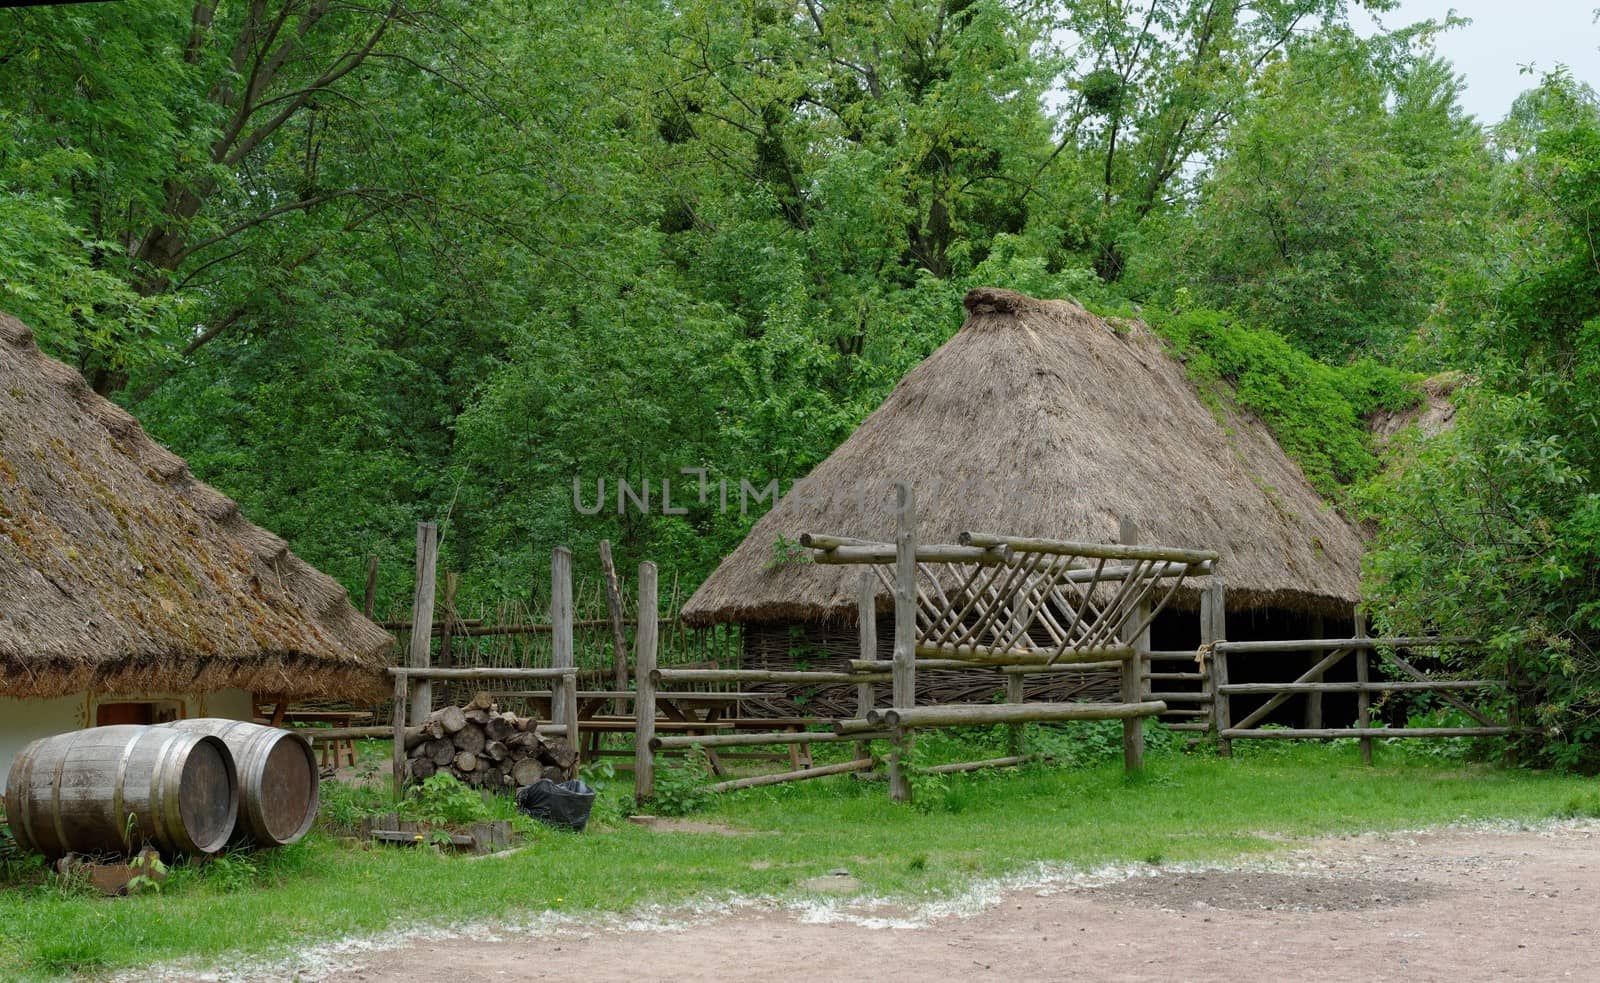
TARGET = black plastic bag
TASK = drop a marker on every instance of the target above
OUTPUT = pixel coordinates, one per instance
(564, 805)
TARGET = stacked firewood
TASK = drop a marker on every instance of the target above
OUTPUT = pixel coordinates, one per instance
(485, 747)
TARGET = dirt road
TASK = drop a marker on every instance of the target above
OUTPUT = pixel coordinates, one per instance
(1448, 905)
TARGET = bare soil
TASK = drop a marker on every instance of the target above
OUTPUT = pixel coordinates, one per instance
(1449, 905)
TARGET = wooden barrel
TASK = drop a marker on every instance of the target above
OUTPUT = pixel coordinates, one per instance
(277, 778)
(116, 788)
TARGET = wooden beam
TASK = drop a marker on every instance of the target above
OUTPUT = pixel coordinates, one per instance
(750, 739)
(791, 776)
(483, 672)
(765, 676)
(1133, 668)
(398, 734)
(964, 714)
(1363, 697)
(866, 648)
(1396, 686)
(904, 674)
(644, 704)
(564, 703)
(1354, 644)
(845, 555)
(985, 655)
(1284, 733)
(1105, 551)
(420, 645)
(963, 766)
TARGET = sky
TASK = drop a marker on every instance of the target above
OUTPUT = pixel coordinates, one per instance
(1503, 35)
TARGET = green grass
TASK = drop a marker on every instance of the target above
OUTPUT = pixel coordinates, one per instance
(1185, 807)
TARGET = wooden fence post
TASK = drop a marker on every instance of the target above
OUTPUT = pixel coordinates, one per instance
(644, 700)
(904, 675)
(867, 612)
(1014, 694)
(1221, 709)
(1132, 667)
(1363, 698)
(399, 734)
(564, 699)
(619, 636)
(421, 645)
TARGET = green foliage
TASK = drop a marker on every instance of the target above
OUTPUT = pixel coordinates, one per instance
(1492, 529)
(441, 800)
(1339, 198)
(680, 788)
(1316, 411)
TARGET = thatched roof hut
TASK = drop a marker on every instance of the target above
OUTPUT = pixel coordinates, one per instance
(1040, 419)
(119, 572)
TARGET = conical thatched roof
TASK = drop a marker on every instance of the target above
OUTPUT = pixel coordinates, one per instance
(1040, 419)
(119, 572)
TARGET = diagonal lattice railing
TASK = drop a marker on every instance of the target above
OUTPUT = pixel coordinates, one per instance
(1010, 598)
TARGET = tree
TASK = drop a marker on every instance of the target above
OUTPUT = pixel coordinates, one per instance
(1343, 197)
(1156, 85)
(1492, 530)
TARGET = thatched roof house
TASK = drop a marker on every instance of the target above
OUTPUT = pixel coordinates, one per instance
(121, 573)
(1040, 419)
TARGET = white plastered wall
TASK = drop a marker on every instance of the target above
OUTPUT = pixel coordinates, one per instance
(25, 720)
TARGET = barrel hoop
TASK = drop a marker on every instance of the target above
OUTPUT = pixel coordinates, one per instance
(55, 801)
(158, 784)
(25, 791)
(118, 800)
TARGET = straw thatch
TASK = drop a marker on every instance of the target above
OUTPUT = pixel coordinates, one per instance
(121, 573)
(1040, 419)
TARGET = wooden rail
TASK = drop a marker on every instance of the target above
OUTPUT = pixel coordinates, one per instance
(1313, 686)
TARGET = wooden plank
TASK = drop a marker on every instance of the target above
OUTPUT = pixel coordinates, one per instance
(644, 660)
(1180, 697)
(619, 635)
(1284, 733)
(904, 674)
(1106, 551)
(964, 714)
(421, 642)
(801, 775)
